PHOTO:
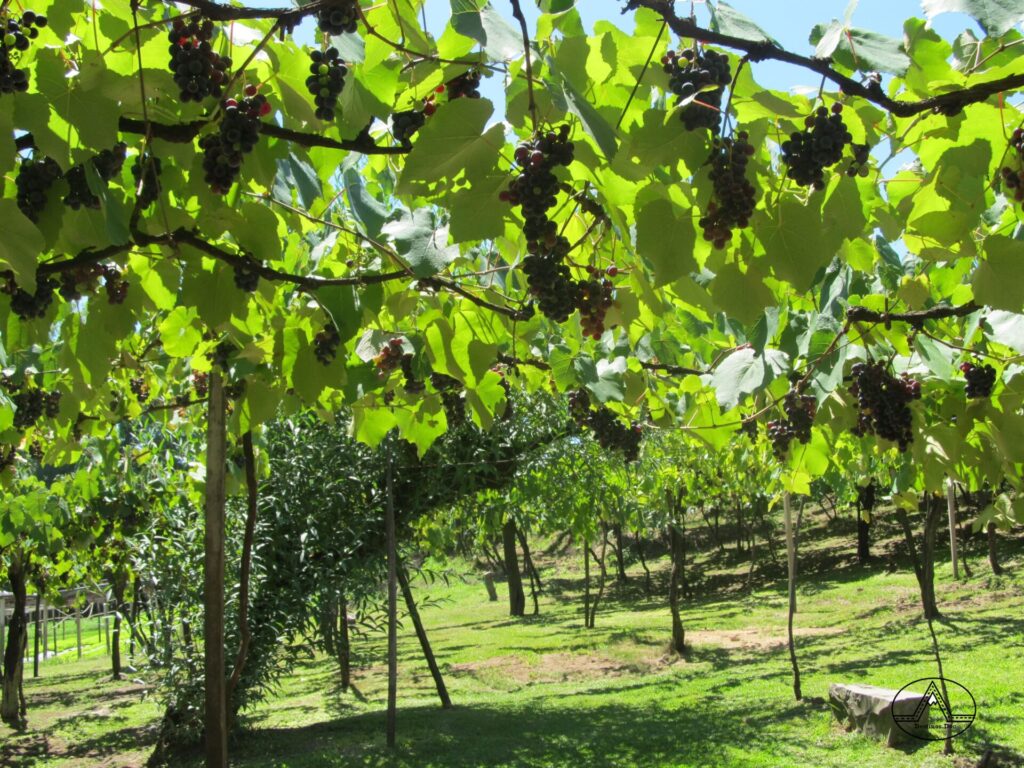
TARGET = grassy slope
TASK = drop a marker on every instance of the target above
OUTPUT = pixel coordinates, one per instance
(545, 692)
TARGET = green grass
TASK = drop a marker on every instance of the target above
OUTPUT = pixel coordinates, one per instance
(543, 691)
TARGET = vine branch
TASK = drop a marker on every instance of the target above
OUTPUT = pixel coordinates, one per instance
(949, 103)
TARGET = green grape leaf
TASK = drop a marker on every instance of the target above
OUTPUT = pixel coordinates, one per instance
(745, 372)
(422, 241)
(996, 17)
(452, 141)
(604, 379)
(728, 21)
(20, 244)
(369, 211)
(481, 22)
(999, 280)
(860, 49)
(666, 237)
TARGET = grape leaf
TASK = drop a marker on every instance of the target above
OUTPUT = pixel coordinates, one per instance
(996, 17)
(728, 21)
(485, 25)
(20, 244)
(421, 241)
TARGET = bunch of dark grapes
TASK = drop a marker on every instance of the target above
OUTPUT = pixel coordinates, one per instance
(247, 272)
(239, 132)
(594, 298)
(234, 390)
(325, 344)
(29, 406)
(464, 86)
(146, 172)
(612, 435)
(1013, 178)
(412, 384)
(30, 305)
(201, 384)
(107, 164)
(809, 152)
(883, 403)
(703, 77)
(748, 427)
(550, 282)
(859, 164)
(326, 80)
(733, 202)
(535, 188)
(199, 71)
(390, 357)
(608, 430)
(795, 425)
(222, 353)
(405, 124)
(339, 17)
(980, 379)
(451, 397)
(17, 37)
(115, 285)
(35, 177)
(35, 450)
(140, 389)
(70, 280)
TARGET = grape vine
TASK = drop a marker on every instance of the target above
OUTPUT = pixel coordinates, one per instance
(107, 164)
(199, 71)
(35, 177)
(809, 152)
(980, 380)
(326, 81)
(734, 196)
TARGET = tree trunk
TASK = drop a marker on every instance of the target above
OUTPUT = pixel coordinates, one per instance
(866, 497)
(638, 544)
(530, 570)
(620, 557)
(586, 584)
(392, 545)
(216, 720)
(993, 553)
(516, 596)
(245, 570)
(343, 646)
(791, 552)
(674, 589)
(924, 564)
(421, 634)
(12, 710)
(604, 578)
(117, 589)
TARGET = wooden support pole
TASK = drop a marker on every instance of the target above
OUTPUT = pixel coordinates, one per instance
(951, 508)
(3, 624)
(389, 523)
(78, 628)
(216, 735)
(791, 552)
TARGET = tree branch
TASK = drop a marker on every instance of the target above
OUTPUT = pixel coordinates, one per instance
(675, 370)
(220, 12)
(949, 103)
(184, 133)
(865, 315)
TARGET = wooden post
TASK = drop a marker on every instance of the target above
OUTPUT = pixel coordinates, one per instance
(791, 552)
(3, 624)
(78, 628)
(106, 626)
(951, 508)
(216, 736)
(492, 593)
(389, 523)
(46, 634)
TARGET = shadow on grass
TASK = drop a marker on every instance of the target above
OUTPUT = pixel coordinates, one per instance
(545, 734)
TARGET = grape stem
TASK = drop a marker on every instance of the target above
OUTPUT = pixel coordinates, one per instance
(517, 13)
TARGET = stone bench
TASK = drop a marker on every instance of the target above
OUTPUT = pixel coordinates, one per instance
(869, 709)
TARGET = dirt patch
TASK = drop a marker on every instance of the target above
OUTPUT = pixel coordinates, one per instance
(549, 668)
(758, 638)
